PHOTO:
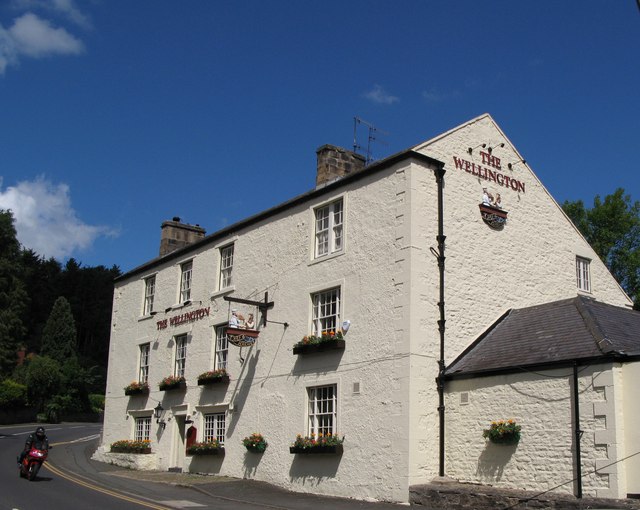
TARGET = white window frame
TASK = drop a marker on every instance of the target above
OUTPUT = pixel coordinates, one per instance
(142, 428)
(225, 279)
(583, 274)
(186, 279)
(143, 368)
(329, 228)
(181, 355)
(149, 294)
(325, 311)
(221, 356)
(322, 410)
(214, 427)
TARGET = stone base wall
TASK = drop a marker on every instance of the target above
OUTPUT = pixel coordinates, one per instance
(147, 461)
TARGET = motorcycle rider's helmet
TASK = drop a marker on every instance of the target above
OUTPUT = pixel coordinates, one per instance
(40, 432)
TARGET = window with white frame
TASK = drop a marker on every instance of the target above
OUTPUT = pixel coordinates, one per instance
(326, 311)
(185, 281)
(181, 355)
(143, 428)
(143, 373)
(329, 231)
(583, 278)
(226, 266)
(149, 293)
(323, 407)
(222, 347)
(214, 427)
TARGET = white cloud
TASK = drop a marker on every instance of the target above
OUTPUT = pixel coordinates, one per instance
(34, 37)
(45, 221)
(66, 8)
(378, 95)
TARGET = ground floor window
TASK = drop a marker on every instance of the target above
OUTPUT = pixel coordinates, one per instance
(323, 410)
(215, 427)
(143, 428)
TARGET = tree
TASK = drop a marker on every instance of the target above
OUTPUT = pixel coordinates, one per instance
(43, 380)
(612, 228)
(13, 298)
(59, 334)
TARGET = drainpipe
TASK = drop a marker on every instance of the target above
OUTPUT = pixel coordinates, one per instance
(440, 171)
(577, 432)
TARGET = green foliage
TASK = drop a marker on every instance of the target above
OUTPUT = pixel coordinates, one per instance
(59, 334)
(13, 395)
(612, 228)
(96, 401)
(44, 379)
(13, 298)
(503, 431)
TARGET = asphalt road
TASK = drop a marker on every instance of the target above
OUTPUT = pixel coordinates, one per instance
(69, 480)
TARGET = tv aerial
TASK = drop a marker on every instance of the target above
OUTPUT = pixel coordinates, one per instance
(372, 136)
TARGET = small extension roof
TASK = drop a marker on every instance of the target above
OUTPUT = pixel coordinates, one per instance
(559, 333)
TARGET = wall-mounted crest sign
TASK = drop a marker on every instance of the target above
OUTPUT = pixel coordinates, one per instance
(491, 210)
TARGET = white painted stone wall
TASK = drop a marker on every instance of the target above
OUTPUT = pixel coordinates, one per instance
(630, 421)
(531, 261)
(389, 286)
(541, 402)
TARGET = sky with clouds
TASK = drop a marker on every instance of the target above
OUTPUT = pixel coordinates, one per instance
(118, 115)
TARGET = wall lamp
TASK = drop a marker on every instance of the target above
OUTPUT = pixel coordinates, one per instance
(158, 413)
(470, 149)
(490, 149)
(510, 166)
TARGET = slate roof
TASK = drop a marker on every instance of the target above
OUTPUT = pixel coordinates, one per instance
(557, 333)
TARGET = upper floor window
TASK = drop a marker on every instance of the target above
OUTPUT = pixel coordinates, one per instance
(583, 278)
(329, 231)
(226, 266)
(149, 293)
(185, 281)
(143, 373)
(222, 347)
(181, 355)
(214, 427)
(323, 407)
(326, 311)
(143, 428)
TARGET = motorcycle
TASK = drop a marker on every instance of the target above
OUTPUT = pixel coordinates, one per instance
(32, 463)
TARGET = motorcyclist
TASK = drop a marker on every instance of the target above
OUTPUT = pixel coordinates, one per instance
(38, 440)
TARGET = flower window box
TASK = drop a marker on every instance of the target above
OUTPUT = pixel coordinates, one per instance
(503, 432)
(206, 448)
(329, 444)
(255, 443)
(172, 383)
(328, 341)
(128, 446)
(335, 450)
(136, 388)
(219, 376)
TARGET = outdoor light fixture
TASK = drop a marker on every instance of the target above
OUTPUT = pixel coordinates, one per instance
(511, 165)
(345, 327)
(158, 412)
(491, 148)
(470, 149)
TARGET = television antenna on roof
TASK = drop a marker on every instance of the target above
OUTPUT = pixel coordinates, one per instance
(372, 137)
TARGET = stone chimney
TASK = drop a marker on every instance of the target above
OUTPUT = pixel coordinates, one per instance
(335, 163)
(175, 235)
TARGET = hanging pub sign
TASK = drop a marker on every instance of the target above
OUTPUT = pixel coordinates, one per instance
(244, 326)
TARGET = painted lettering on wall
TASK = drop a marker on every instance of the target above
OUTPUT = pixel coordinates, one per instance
(487, 173)
(182, 318)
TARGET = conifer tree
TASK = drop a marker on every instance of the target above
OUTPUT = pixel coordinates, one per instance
(13, 298)
(59, 334)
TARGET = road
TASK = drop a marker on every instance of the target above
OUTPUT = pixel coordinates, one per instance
(69, 480)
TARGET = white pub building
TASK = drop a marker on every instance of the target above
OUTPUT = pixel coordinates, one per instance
(394, 312)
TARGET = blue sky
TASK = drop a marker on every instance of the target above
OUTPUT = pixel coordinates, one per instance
(116, 115)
